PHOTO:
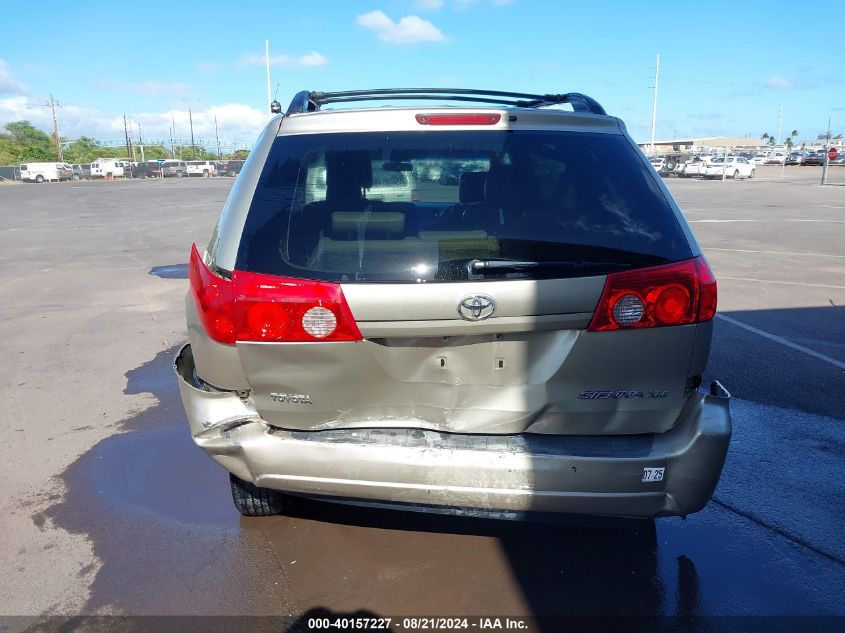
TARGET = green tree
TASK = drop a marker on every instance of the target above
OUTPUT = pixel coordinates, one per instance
(240, 154)
(26, 142)
(765, 136)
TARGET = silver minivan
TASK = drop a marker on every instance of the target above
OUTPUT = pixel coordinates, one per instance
(530, 336)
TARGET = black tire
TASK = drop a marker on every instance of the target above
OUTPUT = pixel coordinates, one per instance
(736, 175)
(231, 173)
(252, 501)
(670, 166)
(39, 179)
(205, 173)
(751, 175)
(178, 174)
(76, 178)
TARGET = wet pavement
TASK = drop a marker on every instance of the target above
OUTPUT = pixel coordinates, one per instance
(166, 539)
(159, 514)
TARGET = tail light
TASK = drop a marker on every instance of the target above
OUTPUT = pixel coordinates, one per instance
(674, 294)
(256, 307)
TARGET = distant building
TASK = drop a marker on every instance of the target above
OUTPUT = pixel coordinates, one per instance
(689, 143)
(705, 143)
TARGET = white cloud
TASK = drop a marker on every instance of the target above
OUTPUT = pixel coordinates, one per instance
(308, 60)
(777, 82)
(428, 5)
(502, 3)
(8, 84)
(236, 122)
(312, 59)
(205, 67)
(410, 29)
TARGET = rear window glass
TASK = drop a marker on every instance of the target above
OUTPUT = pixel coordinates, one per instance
(424, 207)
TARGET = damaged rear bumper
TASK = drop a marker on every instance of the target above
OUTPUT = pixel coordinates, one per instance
(600, 475)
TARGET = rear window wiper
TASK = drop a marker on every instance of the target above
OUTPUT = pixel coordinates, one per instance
(480, 266)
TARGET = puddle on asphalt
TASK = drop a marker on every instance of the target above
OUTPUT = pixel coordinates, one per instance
(161, 521)
(173, 271)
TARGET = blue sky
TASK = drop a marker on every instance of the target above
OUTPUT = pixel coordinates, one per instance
(725, 67)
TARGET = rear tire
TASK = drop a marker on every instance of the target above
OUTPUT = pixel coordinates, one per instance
(252, 501)
(751, 175)
(736, 175)
(231, 173)
(39, 179)
(178, 174)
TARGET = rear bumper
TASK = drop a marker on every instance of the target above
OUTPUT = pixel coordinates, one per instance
(600, 475)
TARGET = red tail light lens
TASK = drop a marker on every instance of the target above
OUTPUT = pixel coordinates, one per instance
(674, 294)
(458, 119)
(256, 307)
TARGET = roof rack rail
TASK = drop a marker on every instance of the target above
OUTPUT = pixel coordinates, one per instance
(306, 101)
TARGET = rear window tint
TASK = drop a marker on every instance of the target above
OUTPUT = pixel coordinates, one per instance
(415, 207)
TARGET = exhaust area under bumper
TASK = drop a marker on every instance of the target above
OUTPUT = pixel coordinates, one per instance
(614, 475)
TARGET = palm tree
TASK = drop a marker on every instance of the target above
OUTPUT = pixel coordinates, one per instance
(793, 133)
(765, 136)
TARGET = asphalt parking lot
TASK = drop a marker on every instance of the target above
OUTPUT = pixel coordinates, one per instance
(109, 508)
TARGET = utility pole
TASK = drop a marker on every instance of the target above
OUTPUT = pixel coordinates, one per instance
(217, 136)
(826, 159)
(126, 135)
(131, 144)
(52, 103)
(141, 142)
(780, 121)
(191, 120)
(267, 64)
(654, 103)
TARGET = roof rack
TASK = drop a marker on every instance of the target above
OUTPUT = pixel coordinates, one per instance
(306, 101)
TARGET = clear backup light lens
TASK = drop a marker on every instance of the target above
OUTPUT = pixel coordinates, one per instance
(628, 309)
(319, 322)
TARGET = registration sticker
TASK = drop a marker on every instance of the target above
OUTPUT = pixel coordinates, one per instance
(653, 474)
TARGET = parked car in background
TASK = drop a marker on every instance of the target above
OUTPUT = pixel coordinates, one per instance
(82, 171)
(107, 168)
(174, 169)
(45, 172)
(775, 158)
(729, 166)
(232, 167)
(204, 168)
(149, 169)
(794, 158)
(694, 167)
(813, 158)
(760, 159)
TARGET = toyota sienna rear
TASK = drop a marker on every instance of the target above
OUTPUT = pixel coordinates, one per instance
(527, 331)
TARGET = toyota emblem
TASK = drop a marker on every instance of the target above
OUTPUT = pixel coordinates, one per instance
(476, 307)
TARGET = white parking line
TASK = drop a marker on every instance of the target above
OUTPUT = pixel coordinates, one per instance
(783, 341)
(777, 281)
(714, 221)
(742, 250)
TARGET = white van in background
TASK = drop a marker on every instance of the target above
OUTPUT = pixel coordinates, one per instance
(45, 172)
(107, 168)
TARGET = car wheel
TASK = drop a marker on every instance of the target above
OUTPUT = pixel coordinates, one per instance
(252, 501)
(736, 175)
(76, 177)
(39, 179)
(231, 173)
(178, 174)
(751, 175)
(205, 173)
(670, 166)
